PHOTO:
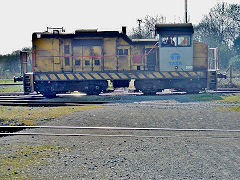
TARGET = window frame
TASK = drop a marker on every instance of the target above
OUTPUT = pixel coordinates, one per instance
(177, 38)
(77, 64)
(87, 63)
(125, 51)
(120, 52)
(97, 64)
(67, 59)
(66, 49)
(188, 43)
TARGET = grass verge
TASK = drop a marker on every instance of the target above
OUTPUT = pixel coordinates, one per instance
(9, 88)
(19, 162)
(232, 98)
(6, 81)
(11, 115)
(235, 97)
(233, 108)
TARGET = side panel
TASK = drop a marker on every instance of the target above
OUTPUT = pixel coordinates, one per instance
(151, 57)
(96, 52)
(87, 54)
(87, 58)
(66, 55)
(43, 51)
(123, 60)
(138, 60)
(200, 56)
(176, 58)
(56, 59)
(110, 60)
(77, 60)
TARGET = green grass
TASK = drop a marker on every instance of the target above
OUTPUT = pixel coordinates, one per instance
(17, 163)
(16, 115)
(206, 97)
(234, 97)
(6, 81)
(5, 89)
(233, 108)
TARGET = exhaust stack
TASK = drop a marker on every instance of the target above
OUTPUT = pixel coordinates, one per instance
(124, 29)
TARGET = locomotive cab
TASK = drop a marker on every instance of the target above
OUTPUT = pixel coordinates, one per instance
(175, 47)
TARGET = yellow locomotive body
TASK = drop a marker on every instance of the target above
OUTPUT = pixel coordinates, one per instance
(85, 61)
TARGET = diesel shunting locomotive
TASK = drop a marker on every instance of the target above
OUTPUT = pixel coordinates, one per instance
(87, 60)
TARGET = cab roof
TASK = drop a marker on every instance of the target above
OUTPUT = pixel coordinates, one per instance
(180, 28)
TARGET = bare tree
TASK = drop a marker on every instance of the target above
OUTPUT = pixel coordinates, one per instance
(220, 26)
(219, 29)
(146, 27)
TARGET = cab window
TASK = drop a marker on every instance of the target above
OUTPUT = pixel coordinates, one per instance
(176, 41)
(184, 40)
(169, 41)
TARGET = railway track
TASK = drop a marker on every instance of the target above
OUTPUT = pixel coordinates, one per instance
(232, 134)
(37, 103)
(39, 100)
(19, 99)
(11, 84)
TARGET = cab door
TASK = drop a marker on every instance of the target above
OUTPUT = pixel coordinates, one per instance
(56, 53)
(87, 58)
(77, 58)
(97, 59)
(66, 55)
(92, 58)
(87, 54)
(151, 58)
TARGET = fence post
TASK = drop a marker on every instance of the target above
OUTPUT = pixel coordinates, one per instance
(230, 68)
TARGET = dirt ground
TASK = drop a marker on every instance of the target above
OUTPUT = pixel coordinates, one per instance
(164, 155)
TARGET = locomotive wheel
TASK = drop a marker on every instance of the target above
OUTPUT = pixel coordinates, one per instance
(149, 93)
(192, 91)
(49, 94)
(93, 90)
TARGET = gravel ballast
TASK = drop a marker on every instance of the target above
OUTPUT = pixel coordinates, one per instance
(177, 155)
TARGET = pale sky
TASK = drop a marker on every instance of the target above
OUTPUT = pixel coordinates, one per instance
(20, 18)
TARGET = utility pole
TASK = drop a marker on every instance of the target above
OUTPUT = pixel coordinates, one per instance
(139, 27)
(186, 21)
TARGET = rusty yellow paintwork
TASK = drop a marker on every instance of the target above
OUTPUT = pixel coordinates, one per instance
(110, 61)
(50, 56)
(63, 55)
(43, 57)
(200, 55)
(123, 61)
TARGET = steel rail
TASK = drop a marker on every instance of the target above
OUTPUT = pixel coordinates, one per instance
(11, 84)
(120, 128)
(41, 101)
(26, 102)
(120, 135)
